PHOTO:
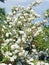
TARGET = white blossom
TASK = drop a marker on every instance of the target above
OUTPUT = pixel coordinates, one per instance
(38, 1)
(11, 59)
(38, 31)
(7, 34)
(46, 64)
(22, 53)
(3, 64)
(45, 21)
(42, 63)
(31, 59)
(18, 41)
(14, 12)
(38, 63)
(31, 63)
(10, 26)
(14, 56)
(16, 51)
(5, 22)
(2, 29)
(34, 50)
(19, 23)
(21, 32)
(14, 46)
(8, 53)
(23, 39)
(10, 64)
(4, 26)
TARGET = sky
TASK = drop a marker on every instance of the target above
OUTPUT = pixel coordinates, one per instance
(39, 8)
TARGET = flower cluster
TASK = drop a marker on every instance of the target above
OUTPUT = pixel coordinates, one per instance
(17, 35)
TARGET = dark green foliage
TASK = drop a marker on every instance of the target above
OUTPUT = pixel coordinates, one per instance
(47, 11)
(2, 14)
(2, 0)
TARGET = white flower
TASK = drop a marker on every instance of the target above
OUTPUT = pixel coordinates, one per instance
(10, 64)
(26, 52)
(38, 31)
(33, 46)
(21, 32)
(11, 59)
(23, 39)
(24, 19)
(28, 8)
(33, 27)
(7, 40)
(8, 53)
(2, 29)
(24, 35)
(46, 14)
(5, 21)
(16, 8)
(3, 64)
(14, 56)
(10, 23)
(15, 20)
(22, 53)
(18, 41)
(47, 49)
(31, 59)
(16, 51)
(28, 61)
(19, 23)
(4, 26)
(22, 8)
(10, 14)
(10, 33)
(14, 46)
(37, 15)
(46, 64)
(8, 18)
(10, 26)
(38, 63)
(33, 3)
(34, 50)
(21, 17)
(14, 12)
(7, 34)
(45, 21)
(37, 23)
(31, 63)
(29, 19)
(10, 39)
(19, 14)
(28, 30)
(38, 1)
(42, 63)
(32, 11)
(26, 14)
(14, 31)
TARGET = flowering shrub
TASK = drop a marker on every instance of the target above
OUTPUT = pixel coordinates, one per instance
(18, 46)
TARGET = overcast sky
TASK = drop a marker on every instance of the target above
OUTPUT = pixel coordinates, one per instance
(10, 3)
